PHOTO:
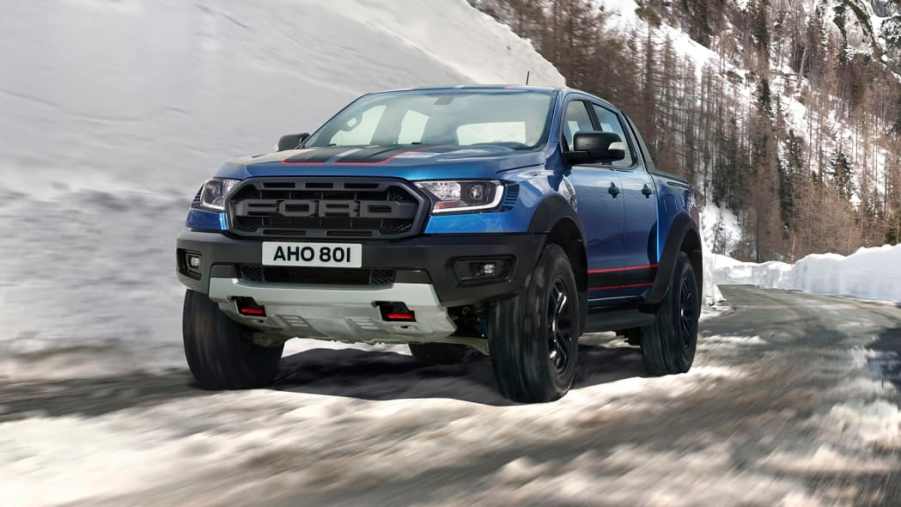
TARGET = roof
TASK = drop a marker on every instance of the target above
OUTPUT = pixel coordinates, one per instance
(543, 89)
(475, 87)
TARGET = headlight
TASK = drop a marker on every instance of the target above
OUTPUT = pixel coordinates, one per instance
(214, 191)
(470, 195)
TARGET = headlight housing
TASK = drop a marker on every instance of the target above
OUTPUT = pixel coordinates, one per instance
(449, 196)
(213, 193)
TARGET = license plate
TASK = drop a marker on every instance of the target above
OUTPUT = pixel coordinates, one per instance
(315, 255)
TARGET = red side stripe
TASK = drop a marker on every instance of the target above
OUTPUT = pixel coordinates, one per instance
(617, 270)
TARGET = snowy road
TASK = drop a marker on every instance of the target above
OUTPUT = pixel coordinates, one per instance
(792, 401)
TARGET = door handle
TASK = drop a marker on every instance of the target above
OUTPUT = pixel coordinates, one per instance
(646, 190)
(614, 190)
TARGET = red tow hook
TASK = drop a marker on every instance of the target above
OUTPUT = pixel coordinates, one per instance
(396, 312)
(408, 316)
(248, 307)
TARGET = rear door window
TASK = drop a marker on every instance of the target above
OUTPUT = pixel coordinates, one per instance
(609, 122)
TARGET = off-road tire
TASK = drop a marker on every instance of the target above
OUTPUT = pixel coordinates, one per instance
(668, 345)
(220, 352)
(526, 352)
(438, 353)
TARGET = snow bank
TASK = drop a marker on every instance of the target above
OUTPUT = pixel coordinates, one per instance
(712, 293)
(720, 228)
(719, 232)
(157, 93)
(869, 273)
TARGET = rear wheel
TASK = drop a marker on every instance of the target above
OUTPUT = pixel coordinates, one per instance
(220, 352)
(668, 345)
(533, 336)
(438, 353)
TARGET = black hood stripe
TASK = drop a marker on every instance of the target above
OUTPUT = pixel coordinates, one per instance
(344, 155)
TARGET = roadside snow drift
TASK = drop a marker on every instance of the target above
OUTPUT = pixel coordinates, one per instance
(106, 93)
(869, 273)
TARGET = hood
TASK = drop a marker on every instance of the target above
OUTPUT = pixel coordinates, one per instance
(410, 163)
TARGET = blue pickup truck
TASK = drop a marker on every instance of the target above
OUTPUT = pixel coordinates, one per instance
(505, 219)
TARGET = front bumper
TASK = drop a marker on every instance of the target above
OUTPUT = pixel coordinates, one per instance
(424, 281)
(420, 260)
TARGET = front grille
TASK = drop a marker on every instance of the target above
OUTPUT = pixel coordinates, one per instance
(326, 208)
(315, 276)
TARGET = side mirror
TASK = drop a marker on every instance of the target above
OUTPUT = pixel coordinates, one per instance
(291, 141)
(589, 147)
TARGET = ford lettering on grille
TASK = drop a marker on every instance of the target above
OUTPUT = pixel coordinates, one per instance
(316, 207)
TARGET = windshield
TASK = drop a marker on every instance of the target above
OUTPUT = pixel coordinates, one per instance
(512, 118)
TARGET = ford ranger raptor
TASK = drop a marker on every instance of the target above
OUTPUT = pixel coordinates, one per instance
(505, 219)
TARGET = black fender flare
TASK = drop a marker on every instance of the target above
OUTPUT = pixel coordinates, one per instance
(549, 211)
(683, 228)
(553, 210)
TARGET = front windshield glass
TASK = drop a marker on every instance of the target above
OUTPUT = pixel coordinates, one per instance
(510, 118)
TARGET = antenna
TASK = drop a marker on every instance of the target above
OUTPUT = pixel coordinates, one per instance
(528, 74)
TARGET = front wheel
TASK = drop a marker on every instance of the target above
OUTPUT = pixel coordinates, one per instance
(533, 336)
(668, 345)
(220, 352)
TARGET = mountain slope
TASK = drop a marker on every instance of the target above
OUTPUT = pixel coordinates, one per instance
(788, 113)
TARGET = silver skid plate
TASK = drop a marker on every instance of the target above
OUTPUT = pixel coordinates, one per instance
(336, 312)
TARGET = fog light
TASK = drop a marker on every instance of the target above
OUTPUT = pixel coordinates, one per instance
(482, 270)
(189, 263)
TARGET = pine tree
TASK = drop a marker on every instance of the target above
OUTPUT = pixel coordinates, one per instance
(841, 172)
(728, 172)
(896, 123)
(649, 91)
(760, 30)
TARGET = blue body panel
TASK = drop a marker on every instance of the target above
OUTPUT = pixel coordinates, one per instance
(623, 234)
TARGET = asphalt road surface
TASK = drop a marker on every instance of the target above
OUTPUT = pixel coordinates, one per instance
(792, 401)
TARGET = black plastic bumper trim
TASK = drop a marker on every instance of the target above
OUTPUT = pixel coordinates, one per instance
(420, 259)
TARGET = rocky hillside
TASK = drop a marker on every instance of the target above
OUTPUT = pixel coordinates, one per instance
(869, 26)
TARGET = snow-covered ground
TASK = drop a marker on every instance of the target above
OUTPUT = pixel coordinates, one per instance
(770, 414)
(869, 273)
(114, 112)
(437, 421)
